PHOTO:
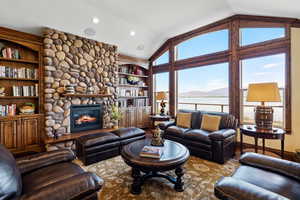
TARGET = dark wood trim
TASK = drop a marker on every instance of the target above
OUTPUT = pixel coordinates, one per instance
(160, 51)
(161, 68)
(172, 82)
(151, 89)
(234, 71)
(131, 59)
(204, 60)
(287, 154)
(271, 19)
(21, 36)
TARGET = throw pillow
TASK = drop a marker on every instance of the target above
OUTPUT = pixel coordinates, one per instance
(210, 122)
(184, 120)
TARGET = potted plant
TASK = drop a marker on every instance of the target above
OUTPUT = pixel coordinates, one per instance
(116, 115)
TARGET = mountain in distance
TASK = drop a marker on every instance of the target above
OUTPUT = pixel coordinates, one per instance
(221, 92)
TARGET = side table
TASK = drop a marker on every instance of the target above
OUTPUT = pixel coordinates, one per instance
(274, 134)
(159, 118)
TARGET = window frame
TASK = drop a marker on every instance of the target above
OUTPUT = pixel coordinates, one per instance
(233, 56)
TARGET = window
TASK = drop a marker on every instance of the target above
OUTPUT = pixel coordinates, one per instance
(161, 84)
(163, 59)
(263, 69)
(204, 88)
(203, 44)
(256, 35)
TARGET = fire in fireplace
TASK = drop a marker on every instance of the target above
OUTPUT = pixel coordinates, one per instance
(86, 117)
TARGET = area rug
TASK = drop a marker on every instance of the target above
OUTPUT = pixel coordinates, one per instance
(199, 179)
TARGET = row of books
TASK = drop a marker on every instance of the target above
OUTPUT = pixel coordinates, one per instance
(8, 110)
(128, 92)
(152, 152)
(125, 69)
(25, 91)
(124, 103)
(23, 72)
(10, 53)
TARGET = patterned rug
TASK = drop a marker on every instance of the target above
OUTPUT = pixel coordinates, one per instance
(200, 176)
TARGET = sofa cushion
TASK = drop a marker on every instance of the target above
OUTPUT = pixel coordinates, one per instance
(97, 139)
(198, 135)
(10, 177)
(176, 131)
(210, 122)
(195, 119)
(268, 180)
(49, 175)
(184, 120)
(130, 132)
(227, 120)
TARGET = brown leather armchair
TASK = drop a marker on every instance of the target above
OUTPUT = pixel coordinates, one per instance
(261, 177)
(47, 176)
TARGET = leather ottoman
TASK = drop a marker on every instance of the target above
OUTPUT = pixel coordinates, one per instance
(100, 146)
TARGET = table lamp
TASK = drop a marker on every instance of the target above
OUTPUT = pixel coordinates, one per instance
(263, 92)
(161, 96)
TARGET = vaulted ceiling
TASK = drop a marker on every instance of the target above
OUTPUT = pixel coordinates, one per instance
(153, 21)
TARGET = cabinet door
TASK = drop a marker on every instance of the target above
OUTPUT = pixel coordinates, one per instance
(139, 117)
(31, 132)
(122, 121)
(8, 135)
(146, 117)
(131, 117)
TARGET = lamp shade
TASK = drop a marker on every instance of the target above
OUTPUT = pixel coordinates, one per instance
(263, 92)
(161, 95)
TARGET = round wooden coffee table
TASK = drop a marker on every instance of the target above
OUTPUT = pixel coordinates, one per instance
(174, 156)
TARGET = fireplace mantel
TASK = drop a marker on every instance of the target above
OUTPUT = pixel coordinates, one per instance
(88, 95)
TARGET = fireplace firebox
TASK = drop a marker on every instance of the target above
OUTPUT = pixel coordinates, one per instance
(86, 117)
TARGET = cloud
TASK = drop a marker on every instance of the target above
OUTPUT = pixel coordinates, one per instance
(260, 73)
(272, 65)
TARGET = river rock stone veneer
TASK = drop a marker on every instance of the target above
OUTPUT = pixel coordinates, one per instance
(85, 63)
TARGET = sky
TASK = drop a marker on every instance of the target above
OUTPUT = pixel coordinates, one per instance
(254, 70)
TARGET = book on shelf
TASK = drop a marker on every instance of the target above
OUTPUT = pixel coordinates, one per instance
(152, 152)
(124, 103)
(8, 110)
(10, 53)
(10, 72)
(25, 91)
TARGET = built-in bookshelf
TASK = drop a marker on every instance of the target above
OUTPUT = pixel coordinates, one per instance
(21, 95)
(133, 96)
(133, 86)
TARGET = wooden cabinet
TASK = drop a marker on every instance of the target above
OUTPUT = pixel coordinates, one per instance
(21, 134)
(135, 117)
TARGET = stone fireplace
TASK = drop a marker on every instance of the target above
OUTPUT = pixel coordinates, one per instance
(86, 117)
(87, 65)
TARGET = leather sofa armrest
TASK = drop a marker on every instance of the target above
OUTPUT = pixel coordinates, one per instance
(164, 125)
(285, 167)
(231, 188)
(221, 134)
(76, 187)
(36, 161)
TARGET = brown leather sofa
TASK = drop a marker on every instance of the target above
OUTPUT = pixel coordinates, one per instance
(46, 176)
(261, 177)
(100, 146)
(216, 146)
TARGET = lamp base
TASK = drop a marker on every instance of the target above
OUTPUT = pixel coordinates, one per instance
(264, 117)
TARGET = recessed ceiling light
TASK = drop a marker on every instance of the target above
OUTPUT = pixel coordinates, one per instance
(132, 33)
(95, 20)
(89, 31)
(140, 47)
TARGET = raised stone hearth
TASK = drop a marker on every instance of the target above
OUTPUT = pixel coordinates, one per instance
(88, 65)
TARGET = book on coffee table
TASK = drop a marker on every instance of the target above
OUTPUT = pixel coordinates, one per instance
(151, 152)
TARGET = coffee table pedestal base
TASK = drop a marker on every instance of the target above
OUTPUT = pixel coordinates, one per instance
(139, 179)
